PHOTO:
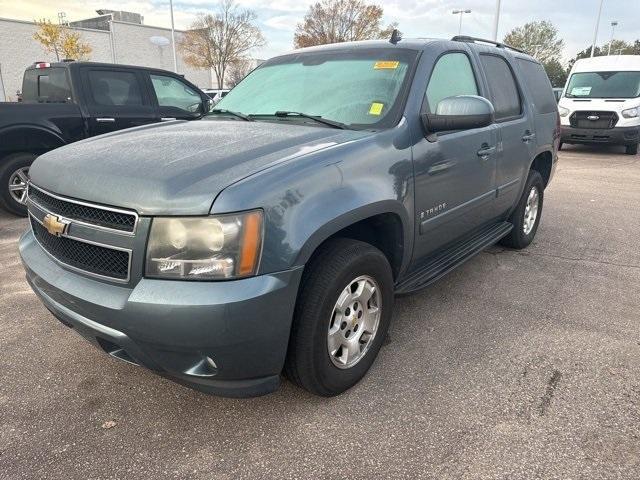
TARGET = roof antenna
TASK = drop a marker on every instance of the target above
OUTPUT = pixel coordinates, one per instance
(396, 36)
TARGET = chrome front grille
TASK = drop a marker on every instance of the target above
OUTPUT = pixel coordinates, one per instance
(88, 257)
(93, 239)
(91, 214)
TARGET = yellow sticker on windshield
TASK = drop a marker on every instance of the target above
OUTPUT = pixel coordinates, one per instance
(386, 64)
(376, 108)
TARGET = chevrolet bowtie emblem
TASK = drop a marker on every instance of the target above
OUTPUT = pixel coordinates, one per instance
(55, 225)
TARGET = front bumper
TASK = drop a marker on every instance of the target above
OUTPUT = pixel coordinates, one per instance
(227, 338)
(614, 136)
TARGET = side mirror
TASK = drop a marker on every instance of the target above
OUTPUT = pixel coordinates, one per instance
(462, 112)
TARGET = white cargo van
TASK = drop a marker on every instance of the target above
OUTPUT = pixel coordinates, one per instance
(601, 102)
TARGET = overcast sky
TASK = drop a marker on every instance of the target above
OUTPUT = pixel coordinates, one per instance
(575, 19)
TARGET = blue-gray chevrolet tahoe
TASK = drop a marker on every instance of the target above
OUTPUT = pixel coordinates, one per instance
(271, 236)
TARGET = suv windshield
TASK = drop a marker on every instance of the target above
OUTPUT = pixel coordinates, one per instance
(361, 88)
(604, 85)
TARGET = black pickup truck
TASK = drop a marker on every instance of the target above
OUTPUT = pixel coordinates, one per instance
(69, 101)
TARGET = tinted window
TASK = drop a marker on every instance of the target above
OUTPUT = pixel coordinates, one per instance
(539, 85)
(48, 85)
(171, 92)
(452, 75)
(115, 88)
(502, 84)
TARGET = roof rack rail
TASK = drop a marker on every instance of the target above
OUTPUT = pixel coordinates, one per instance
(465, 38)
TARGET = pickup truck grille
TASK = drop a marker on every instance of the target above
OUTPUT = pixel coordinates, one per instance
(591, 119)
(103, 217)
(95, 259)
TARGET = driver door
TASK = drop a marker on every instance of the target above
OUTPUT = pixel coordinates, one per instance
(454, 170)
(177, 100)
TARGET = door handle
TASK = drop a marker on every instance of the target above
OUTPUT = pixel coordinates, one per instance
(486, 151)
(167, 119)
(105, 120)
(528, 136)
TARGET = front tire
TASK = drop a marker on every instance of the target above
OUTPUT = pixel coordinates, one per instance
(14, 175)
(632, 149)
(341, 318)
(526, 217)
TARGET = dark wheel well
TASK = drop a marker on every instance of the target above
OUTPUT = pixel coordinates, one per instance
(383, 231)
(30, 140)
(542, 164)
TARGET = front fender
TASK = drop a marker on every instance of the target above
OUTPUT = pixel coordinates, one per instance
(310, 198)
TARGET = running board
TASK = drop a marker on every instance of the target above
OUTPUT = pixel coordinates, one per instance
(452, 257)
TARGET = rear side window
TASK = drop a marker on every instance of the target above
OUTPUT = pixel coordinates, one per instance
(503, 87)
(112, 88)
(539, 86)
(46, 85)
(451, 76)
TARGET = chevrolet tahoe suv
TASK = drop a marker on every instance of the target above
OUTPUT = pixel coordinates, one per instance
(271, 236)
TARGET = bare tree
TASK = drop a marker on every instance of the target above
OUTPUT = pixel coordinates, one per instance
(237, 71)
(333, 21)
(215, 41)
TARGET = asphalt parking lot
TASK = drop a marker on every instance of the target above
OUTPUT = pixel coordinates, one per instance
(518, 365)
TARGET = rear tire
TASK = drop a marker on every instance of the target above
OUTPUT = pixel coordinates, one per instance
(332, 316)
(632, 149)
(526, 217)
(14, 171)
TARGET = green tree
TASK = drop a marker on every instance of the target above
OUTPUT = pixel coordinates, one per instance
(539, 39)
(617, 47)
(556, 72)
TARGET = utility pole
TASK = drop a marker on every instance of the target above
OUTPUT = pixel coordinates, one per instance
(613, 29)
(496, 21)
(173, 39)
(460, 12)
(595, 30)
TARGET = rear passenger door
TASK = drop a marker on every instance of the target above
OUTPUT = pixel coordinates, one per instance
(116, 99)
(516, 132)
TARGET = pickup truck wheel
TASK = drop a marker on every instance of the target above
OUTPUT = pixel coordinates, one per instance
(341, 317)
(632, 149)
(14, 175)
(526, 217)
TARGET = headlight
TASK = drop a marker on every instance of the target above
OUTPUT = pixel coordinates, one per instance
(205, 248)
(630, 112)
(563, 111)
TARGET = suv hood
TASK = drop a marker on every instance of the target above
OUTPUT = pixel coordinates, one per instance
(177, 168)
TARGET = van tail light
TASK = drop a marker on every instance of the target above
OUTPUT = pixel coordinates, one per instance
(43, 65)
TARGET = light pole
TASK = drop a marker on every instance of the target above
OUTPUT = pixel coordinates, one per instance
(173, 39)
(496, 21)
(614, 24)
(460, 12)
(595, 31)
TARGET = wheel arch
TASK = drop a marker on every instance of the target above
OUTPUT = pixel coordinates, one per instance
(543, 164)
(28, 138)
(384, 225)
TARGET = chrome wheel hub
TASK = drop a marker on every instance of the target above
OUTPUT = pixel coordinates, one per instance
(18, 185)
(354, 322)
(531, 210)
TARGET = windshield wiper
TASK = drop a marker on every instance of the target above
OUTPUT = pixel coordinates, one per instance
(316, 118)
(224, 111)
